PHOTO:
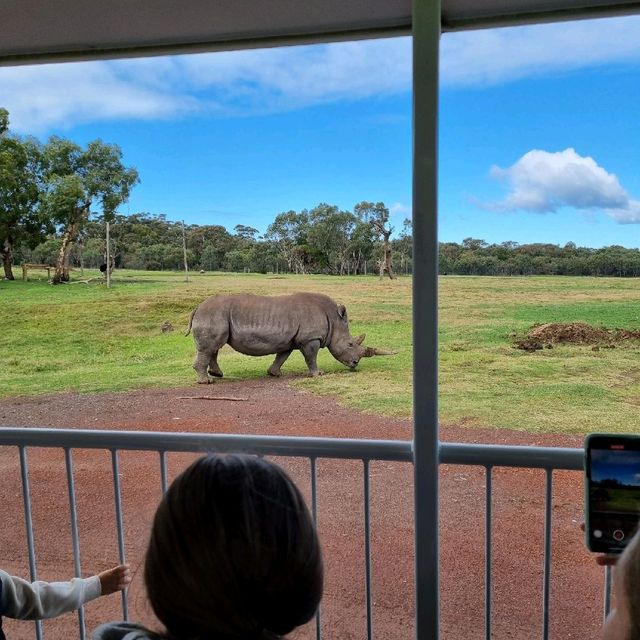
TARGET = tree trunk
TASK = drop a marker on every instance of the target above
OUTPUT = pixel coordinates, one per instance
(387, 265)
(61, 273)
(7, 259)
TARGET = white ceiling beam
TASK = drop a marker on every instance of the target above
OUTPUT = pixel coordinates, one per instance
(33, 31)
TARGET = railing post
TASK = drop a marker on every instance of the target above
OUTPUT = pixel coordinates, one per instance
(368, 582)
(117, 494)
(31, 550)
(314, 512)
(546, 580)
(607, 592)
(426, 42)
(488, 551)
(75, 538)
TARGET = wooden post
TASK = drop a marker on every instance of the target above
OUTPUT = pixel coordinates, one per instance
(184, 250)
(108, 258)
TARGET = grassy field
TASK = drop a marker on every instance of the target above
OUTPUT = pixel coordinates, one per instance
(86, 337)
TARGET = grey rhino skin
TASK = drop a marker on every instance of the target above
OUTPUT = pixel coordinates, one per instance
(262, 325)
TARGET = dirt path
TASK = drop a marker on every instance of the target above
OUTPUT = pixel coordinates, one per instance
(272, 407)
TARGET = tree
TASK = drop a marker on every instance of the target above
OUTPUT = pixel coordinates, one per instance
(263, 257)
(329, 236)
(473, 244)
(20, 180)
(245, 233)
(237, 260)
(362, 246)
(404, 245)
(76, 178)
(288, 232)
(378, 216)
(4, 120)
(210, 243)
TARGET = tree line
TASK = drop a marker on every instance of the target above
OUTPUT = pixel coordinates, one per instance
(315, 241)
(320, 240)
(477, 257)
(56, 197)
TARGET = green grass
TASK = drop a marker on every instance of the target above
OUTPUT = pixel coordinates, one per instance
(85, 337)
(619, 500)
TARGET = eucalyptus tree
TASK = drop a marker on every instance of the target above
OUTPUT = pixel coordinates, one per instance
(329, 234)
(288, 233)
(21, 221)
(4, 120)
(362, 246)
(76, 179)
(210, 244)
(403, 246)
(245, 233)
(378, 216)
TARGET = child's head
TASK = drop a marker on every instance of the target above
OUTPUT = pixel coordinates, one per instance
(623, 623)
(233, 552)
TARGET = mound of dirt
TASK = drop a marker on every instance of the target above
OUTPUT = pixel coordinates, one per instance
(543, 336)
(569, 333)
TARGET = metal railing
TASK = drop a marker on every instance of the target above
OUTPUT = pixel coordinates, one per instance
(483, 456)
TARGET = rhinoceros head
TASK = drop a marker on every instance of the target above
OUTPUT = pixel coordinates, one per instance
(347, 349)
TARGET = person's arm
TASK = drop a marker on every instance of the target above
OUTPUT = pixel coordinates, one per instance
(38, 600)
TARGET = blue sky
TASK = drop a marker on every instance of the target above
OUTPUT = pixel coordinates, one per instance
(539, 135)
(620, 465)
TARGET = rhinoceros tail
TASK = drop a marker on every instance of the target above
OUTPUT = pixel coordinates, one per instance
(191, 321)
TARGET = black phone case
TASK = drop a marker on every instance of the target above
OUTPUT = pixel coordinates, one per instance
(605, 442)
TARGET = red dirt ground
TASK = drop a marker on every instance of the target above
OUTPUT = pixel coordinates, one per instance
(273, 407)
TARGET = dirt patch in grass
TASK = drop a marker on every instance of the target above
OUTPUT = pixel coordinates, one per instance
(545, 336)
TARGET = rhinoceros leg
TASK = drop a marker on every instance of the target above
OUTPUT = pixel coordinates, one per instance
(214, 369)
(310, 353)
(274, 369)
(200, 364)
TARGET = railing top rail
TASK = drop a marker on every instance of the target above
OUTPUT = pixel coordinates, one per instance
(490, 455)
(307, 447)
(199, 442)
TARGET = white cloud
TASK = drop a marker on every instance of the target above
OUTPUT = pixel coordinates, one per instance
(489, 57)
(400, 209)
(298, 76)
(543, 182)
(628, 215)
(65, 95)
(229, 83)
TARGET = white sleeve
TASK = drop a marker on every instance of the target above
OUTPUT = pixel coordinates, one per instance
(37, 600)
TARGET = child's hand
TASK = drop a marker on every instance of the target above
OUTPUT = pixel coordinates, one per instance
(115, 579)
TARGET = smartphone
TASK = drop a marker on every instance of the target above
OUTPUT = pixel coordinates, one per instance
(612, 491)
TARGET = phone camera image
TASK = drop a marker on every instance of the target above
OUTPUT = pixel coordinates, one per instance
(613, 494)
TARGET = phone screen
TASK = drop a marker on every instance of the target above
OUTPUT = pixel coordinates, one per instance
(612, 491)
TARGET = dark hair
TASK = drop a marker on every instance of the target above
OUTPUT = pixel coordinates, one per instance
(233, 552)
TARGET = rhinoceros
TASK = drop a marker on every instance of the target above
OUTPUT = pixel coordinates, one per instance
(262, 325)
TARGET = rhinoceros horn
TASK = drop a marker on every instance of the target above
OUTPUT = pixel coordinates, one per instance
(360, 338)
(374, 351)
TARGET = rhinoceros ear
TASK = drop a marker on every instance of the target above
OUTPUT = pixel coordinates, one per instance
(342, 310)
(360, 338)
